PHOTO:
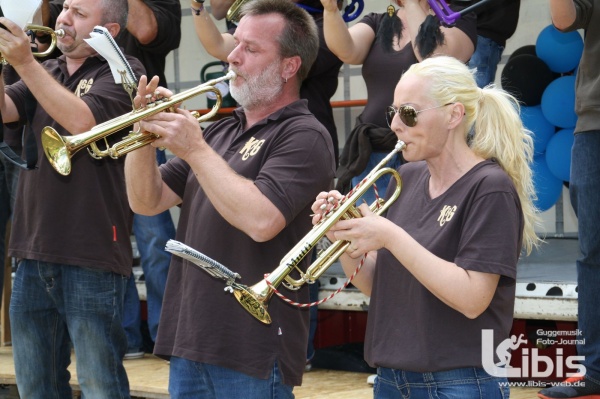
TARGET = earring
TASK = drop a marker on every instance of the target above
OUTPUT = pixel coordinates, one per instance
(391, 10)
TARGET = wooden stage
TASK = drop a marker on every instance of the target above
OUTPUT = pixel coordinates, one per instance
(148, 378)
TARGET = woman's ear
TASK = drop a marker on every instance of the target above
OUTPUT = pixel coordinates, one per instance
(456, 115)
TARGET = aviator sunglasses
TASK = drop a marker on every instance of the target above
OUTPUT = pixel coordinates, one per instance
(408, 114)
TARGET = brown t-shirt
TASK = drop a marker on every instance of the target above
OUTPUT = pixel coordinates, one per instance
(477, 224)
(82, 219)
(289, 156)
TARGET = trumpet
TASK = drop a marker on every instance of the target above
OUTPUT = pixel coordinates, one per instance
(60, 149)
(233, 14)
(55, 34)
(255, 298)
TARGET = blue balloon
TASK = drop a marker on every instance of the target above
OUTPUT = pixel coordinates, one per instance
(547, 187)
(558, 102)
(533, 119)
(558, 154)
(560, 50)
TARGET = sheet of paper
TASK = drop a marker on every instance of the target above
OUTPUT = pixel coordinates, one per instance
(20, 12)
(101, 41)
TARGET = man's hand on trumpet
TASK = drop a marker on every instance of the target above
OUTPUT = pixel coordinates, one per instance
(177, 129)
(148, 92)
(15, 46)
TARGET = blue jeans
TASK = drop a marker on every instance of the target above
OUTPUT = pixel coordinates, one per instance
(192, 380)
(464, 383)
(54, 306)
(9, 176)
(381, 183)
(314, 318)
(584, 190)
(151, 234)
(486, 57)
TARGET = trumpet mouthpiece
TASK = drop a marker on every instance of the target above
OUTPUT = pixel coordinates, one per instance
(60, 32)
(232, 75)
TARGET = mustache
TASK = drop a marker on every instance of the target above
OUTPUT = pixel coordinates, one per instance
(238, 74)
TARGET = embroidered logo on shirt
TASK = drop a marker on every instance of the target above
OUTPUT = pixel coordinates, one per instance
(83, 87)
(446, 214)
(251, 148)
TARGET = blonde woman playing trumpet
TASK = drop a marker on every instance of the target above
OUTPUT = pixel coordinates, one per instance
(440, 267)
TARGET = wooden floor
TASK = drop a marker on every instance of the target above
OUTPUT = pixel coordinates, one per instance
(148, 378)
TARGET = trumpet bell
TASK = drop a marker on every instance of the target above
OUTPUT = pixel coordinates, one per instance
(254, 301)
(57, 150)
(234, 11)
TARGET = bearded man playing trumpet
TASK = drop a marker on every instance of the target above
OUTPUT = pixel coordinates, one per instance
(72, 233)
(245, 185)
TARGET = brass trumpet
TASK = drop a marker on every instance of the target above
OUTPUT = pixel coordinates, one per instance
(233, 14)
(255, 298)
(55, 34)
(60, 149)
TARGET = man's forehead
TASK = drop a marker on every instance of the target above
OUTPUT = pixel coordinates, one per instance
(259, 28)
(80, 4)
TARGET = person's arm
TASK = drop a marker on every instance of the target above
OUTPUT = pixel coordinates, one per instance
(219, 8)
(351, 45)
(217, 44)
(237, 199)
(141, 22)
(63, 106)
(563, 13)
(466, 291)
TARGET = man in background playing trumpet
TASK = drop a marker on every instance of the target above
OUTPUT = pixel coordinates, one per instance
(245, 186)
(70, 232)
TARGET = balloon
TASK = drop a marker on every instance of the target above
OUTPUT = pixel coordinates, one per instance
(547, 187)
(558, 154)
(558, 102)
(534, 120)
(526, 77)
(560, 50)
(528, 49)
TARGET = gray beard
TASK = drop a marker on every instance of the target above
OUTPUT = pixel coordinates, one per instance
(259, 90)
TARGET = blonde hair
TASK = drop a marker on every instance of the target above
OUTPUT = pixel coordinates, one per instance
(494, 116)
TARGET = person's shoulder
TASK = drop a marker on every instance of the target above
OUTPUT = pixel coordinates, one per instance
(412, 169)
(491, 175)
(372, 19)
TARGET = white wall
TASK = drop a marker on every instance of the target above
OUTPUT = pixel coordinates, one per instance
(184, 65)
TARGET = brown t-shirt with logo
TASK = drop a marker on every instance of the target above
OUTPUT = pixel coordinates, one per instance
(82, 219)
(477, 224)
(289, 157)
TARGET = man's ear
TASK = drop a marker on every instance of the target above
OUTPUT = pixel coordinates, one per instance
(113, 28)
(291, 67)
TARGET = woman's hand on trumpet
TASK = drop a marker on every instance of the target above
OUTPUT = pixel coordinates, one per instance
(364, 233)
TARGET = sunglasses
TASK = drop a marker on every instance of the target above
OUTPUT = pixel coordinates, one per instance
(408, 114)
